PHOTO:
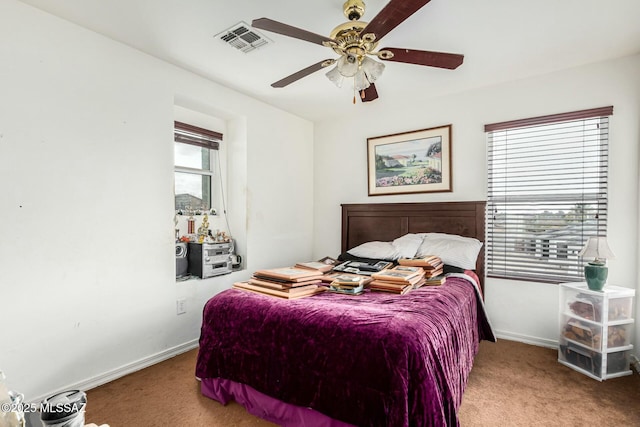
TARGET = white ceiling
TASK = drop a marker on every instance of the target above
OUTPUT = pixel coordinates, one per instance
(501, 40)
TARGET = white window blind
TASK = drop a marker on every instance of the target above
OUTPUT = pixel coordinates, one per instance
(547, 193)
(196, 151)
(188, 134)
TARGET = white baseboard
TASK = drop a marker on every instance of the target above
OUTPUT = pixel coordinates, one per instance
(129, 368)
(541, 342)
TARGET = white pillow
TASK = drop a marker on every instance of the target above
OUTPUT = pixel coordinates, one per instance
(402, 247)
(375, 250)
(454, 250)
(407, 246)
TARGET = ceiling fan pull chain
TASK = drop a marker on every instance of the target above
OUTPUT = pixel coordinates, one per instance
(354, 91)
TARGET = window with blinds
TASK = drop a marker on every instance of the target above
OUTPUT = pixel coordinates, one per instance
(547, 193)
(195, 158)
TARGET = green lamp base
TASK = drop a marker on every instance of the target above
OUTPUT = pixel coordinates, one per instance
(596, 275)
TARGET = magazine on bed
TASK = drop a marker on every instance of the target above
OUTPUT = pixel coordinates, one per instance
(362, 267)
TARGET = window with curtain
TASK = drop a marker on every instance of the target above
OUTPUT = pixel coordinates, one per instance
(547, 193)
(195, 159)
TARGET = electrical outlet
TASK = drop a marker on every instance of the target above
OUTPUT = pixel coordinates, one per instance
(181, 306)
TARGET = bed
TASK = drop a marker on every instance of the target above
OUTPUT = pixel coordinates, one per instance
(336, 360)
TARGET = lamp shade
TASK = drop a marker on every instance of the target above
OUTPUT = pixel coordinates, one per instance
(348, 65)
(335, 76)
(372, 69)
(360, 81)
(597, 248)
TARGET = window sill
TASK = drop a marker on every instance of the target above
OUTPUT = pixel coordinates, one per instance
(190, 277)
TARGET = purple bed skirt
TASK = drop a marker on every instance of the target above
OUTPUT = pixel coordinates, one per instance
(266, 407)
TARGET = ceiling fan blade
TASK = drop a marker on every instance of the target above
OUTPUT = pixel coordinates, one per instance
(450, 61)
(302, 73)
(391, 16)
(287, 30)
(370, 93)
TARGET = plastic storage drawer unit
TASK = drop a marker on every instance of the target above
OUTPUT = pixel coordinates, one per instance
(596, 330)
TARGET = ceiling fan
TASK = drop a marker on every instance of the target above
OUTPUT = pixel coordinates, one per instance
(356, 42)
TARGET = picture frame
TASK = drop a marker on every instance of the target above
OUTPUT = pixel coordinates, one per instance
(410, 162)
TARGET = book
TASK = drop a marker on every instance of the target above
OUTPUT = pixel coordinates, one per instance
(415, 269)
(282, 284)
(410, 281)
(287, 297)
(391, 287)
(332, 275)
(427, 262)
(315, 265)
(347, 290)
(426, 259)
(434, 273)
(435, 281)
(416, 281)
(291, 293)
(286, 282)
(348, 280)
(329, 260)
(419, 283)
(291, 274)
(400, 291)
(388, 285)
(396, 275)
(289, 290)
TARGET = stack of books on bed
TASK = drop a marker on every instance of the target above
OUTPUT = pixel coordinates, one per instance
(350, 284)
(431, 264)
(329, 277)
(285, 282)
(399, 279)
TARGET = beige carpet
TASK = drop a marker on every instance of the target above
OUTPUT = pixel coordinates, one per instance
(512, 384)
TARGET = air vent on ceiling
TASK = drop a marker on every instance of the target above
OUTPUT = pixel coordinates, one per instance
(243, 37)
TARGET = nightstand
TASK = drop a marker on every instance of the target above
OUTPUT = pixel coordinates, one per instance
(596, 330)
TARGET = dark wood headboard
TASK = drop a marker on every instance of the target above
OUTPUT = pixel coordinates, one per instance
(384, 222)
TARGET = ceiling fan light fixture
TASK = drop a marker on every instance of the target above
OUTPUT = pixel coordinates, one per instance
(363, 70)
(372, 69)
(348, 65)
(360, 81)
(335, 76)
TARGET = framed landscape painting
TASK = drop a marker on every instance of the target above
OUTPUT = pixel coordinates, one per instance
(410, 162)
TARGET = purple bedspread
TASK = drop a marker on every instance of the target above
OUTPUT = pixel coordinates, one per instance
(376, 359)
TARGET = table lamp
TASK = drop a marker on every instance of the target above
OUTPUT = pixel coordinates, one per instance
(596, 271)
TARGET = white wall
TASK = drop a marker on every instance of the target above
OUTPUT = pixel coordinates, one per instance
(518, 310)
(87, 257)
